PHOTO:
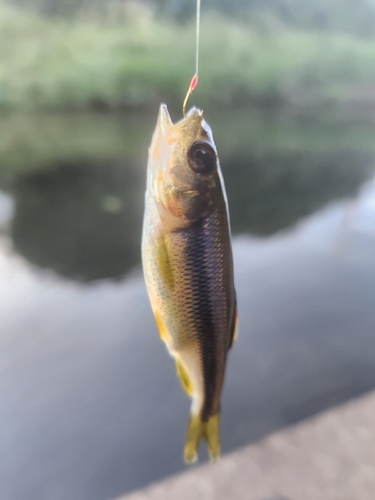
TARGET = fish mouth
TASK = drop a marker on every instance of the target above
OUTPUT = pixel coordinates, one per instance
(164, 118)
(165, 122)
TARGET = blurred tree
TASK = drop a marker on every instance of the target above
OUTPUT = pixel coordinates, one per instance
(348, 16)
(71, 7)
(352, 16)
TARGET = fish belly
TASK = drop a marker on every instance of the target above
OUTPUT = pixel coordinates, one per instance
(189, 278)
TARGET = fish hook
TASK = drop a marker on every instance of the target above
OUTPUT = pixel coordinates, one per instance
(193, 84)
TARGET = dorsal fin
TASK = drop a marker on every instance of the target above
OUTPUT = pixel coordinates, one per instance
(234, 325)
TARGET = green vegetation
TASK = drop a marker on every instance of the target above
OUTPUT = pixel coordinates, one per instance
(33, 142)
(356, 17)
(134, 61)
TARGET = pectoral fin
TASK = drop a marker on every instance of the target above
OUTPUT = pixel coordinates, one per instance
(164, 263)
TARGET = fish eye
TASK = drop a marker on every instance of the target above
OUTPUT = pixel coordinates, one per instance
(202, 157)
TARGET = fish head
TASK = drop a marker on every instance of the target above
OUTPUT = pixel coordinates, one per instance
(183, 166)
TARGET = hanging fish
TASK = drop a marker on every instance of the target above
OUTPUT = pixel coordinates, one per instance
(188, 265)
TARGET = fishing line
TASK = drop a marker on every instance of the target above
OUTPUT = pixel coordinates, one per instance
(198, 29)
(194, 80)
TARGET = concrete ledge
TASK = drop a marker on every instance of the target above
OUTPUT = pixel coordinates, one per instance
(328, 457)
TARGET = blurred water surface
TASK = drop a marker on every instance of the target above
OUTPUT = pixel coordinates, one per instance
(91, 406)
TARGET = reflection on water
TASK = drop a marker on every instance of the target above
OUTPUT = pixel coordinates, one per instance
(81, 216)
(82, 220)
(271, 192)
(6, 210)
(91, 407)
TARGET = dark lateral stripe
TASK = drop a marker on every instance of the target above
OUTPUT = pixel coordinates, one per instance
(200, 253)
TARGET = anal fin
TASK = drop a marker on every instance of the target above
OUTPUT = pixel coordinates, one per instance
(184, 377)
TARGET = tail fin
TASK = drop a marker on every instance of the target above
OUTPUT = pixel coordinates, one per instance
(199, 429)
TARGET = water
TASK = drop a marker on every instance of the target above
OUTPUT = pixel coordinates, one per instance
(90, 404)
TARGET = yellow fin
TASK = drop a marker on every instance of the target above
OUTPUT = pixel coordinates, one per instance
(212, 435)
(184, 377)
(163, 332)
(164, 263)
(234, 330)
(197, 430)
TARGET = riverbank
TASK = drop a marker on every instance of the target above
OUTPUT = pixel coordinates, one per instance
(136, 61)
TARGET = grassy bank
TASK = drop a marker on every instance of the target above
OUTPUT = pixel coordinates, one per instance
(32, 142)
(138, 62)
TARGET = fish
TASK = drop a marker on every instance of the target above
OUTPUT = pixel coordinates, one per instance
(188, 266)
